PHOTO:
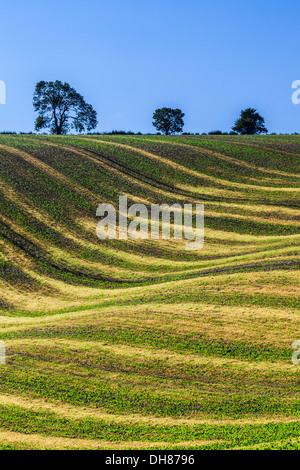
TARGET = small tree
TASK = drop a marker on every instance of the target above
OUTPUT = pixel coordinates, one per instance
(60, 108)
(250, 122)
(168, 120)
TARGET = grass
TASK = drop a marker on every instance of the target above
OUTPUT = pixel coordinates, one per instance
(124, 344)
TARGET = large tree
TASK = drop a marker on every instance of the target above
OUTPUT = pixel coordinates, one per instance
(250, 122)
(168, 120)
(61, 108)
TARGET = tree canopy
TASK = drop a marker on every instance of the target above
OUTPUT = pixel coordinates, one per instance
(168, 120)
(250, 122)
(61, 108)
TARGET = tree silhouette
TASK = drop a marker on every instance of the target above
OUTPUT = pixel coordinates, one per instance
(61, 108)
(168, 120)
(250, 122)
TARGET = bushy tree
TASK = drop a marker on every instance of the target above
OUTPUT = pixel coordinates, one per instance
(168, 120)
(61, 108)
(250, 122)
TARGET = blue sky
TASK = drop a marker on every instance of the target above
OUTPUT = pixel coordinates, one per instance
(129, 57)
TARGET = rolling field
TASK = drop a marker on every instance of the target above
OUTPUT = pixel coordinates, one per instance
(124, 344)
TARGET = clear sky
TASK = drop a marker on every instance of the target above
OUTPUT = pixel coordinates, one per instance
(128, 57)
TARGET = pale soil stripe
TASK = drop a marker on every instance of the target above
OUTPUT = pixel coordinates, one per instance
(232, 159)
(267, 219)
(220, 235)
(52, 172)
(42, 216)
(186, 308)
(172, 358)
(55, 173)
(72, 260)
(42, 303)
(269, 149)
(76, 295)
(178, 267)
(71, 412)
(37, 441)
(166, 161)
(77, 263)
(55, 251)
(186, 170)
(254, 208)
(89, 225)
(264, 445)
(115, 171)
(123, 273)
(266, 212)
(100, 296)
(20, 200)
(245, 164)
(232, 261)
